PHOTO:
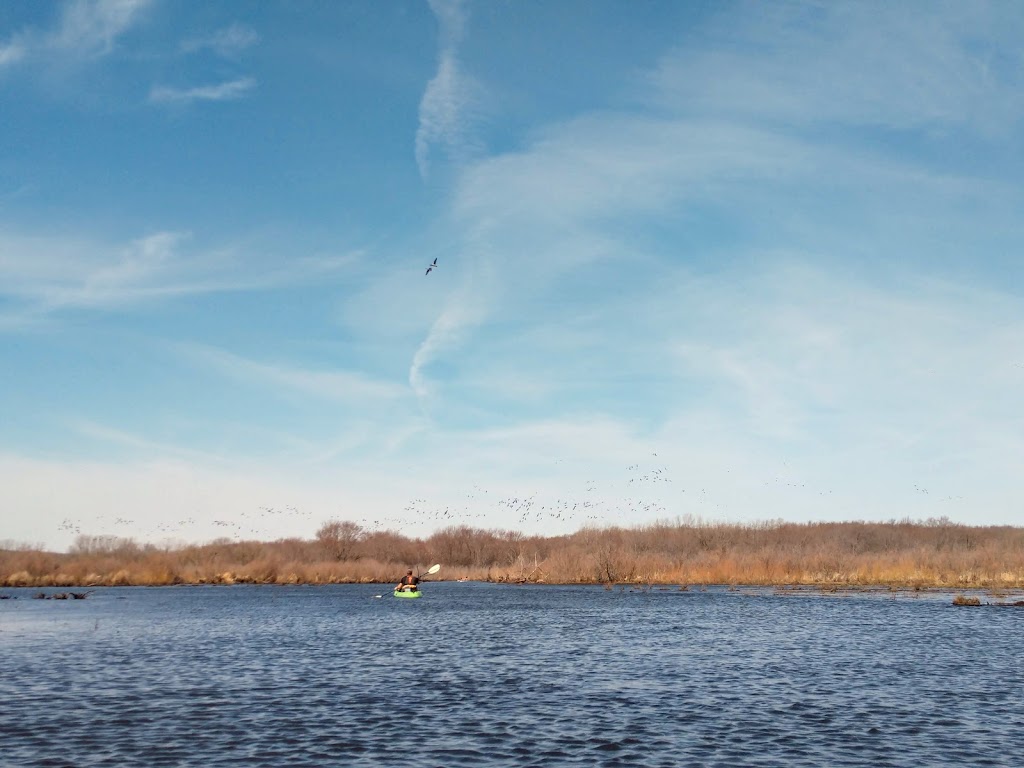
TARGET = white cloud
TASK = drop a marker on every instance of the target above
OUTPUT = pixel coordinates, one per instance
(347, 386)
(11, 52)
(147, 258)
(617, 164)
(58, 274)
(583, 194)
(451, 106)
(535, 222)
(903, 65)
(464, 307)
(443, 335)
(866, 387)
(139, 445)
(42, 275)
(86, 29)
(814, 347)
(230, 90)
(368, 308)
(451, 17)
(90, 27)
(227, 42)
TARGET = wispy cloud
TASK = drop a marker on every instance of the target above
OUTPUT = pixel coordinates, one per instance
(228, 42)
(60, 274)
(583, 194)
(230, 90)
(464, 307)
(348, 386)
(817, 350)
(766, 277)
(11, 52)
(444, 333)
(86, 29)
(92, 26)
(451, 105)
(897, 65)
(140, 445)
(42, 275)
(140, 268)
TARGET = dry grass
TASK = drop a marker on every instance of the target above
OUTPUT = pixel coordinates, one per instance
(934, 553)
(964, 600)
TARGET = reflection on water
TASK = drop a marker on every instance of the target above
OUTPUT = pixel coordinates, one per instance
(486, 675)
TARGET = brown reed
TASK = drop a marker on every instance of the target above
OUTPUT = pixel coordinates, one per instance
(931, 553)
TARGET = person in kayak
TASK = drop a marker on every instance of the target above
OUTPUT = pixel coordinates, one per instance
(409, 583)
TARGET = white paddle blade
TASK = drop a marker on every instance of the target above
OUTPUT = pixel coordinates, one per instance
(434, 568)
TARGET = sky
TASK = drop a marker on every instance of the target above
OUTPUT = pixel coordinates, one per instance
(716, 261)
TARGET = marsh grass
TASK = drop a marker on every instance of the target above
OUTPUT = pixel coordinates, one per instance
(826, 556)
(964, 600)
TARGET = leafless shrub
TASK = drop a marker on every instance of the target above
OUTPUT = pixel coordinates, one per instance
(340, 539)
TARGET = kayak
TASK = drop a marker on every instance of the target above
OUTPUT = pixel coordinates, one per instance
(417, 593)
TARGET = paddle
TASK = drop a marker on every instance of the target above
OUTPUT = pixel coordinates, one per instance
(430, 571)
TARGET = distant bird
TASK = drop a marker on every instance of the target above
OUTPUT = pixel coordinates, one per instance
(432, 266)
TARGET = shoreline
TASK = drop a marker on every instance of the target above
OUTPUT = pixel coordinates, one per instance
(970, 597)
(997, 591)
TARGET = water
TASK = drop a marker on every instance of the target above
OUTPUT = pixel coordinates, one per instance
(487, 675)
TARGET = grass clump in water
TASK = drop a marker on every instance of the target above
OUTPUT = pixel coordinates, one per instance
(964, 600)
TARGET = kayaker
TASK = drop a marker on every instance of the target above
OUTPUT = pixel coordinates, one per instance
(409, 583)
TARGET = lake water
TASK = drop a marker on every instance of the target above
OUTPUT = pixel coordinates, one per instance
(491, 675)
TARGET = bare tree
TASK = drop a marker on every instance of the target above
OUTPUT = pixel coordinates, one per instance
(340, 539)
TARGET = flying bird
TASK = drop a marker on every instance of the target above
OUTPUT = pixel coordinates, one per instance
(432, 266)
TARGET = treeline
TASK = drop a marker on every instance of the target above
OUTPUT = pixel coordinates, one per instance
(934, 552)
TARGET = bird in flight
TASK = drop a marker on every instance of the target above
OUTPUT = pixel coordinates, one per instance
(432, 266)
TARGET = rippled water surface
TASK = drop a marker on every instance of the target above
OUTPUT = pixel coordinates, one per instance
(488, 675)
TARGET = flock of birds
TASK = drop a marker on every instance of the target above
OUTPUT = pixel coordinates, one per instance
(479, 507)
(594, 503)
(644, 492)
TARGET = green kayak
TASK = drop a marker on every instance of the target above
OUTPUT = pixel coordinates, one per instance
(417, 593)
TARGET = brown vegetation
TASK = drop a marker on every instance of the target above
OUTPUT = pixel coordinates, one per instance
(964, 600)
(933, 553)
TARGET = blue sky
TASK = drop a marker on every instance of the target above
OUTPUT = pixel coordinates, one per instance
(732, 261)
